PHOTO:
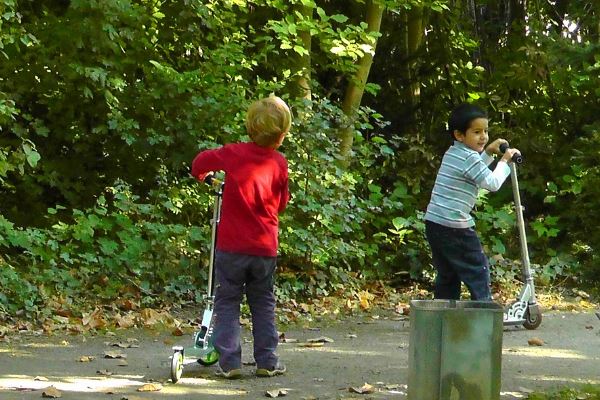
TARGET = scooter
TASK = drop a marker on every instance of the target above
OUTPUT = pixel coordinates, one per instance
(203, 350)
(525, 310)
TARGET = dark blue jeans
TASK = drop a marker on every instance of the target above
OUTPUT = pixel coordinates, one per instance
(458, 256)
(237, 274)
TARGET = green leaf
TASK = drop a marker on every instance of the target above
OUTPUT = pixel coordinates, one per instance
(341, 18)
(400, 223)
(31, 154)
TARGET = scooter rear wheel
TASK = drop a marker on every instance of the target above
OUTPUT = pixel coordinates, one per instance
(176, 366)
(209, 358)
(532, 319)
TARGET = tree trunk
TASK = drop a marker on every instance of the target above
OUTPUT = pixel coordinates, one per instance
(356, 86)
(303, 87)
(415, 31)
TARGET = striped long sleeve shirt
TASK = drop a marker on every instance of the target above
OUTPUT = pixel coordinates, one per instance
(462, 173)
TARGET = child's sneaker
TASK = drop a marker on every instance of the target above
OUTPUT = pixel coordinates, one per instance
(279, 369)
(231, 374)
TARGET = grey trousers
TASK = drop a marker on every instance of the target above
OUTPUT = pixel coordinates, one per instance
(237, 274)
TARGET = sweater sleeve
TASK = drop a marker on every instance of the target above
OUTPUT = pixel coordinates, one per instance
(285, 193)
(207, 161)
(477, 171)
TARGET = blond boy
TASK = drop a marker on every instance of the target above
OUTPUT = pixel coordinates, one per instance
(256, 191)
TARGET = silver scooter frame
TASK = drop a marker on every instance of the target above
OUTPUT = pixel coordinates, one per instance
(525, 310)
(202, 350)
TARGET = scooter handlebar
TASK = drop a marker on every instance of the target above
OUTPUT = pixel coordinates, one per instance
(516, 158)
(210, 180)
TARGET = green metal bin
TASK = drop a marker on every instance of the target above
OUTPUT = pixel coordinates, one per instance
(455, 350)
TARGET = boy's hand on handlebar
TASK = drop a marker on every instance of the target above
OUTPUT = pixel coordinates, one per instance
(508, 155)
(494, 147)
(207, 178)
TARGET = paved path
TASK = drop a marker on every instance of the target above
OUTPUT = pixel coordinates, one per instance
(362, 351)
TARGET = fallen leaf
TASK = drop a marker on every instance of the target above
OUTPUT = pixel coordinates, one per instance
(52, 393)
(104, 372)
(311, 344)
(76, 329)
(364, 389)
(321, 339)
(123, 363)
(276, 393)
(150, 387)
(589, 327)
(177, 332)
(86, 358)
(128, 305)
(535, 341)
(365, 299)
(152, 317)
(94, 320)
(127, 345)
(114, 354)
(40, 378)
(352, 336)
(124, 321)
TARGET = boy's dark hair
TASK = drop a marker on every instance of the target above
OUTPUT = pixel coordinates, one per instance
(461, 117)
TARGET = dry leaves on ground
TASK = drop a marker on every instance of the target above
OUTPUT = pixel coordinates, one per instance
(535, 341)
(364, 389)
(150, 387)
(52, 393)
(114, 354)
(276, 393)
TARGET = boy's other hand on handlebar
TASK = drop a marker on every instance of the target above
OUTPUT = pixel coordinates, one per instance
(494, 147)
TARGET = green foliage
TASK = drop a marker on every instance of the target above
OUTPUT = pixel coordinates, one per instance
(588, 392)
(343, 224)
(103, 104)
(118, 248)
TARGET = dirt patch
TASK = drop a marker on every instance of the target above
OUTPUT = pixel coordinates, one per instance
(364, 350)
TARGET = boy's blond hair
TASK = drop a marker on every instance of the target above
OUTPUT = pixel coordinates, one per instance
(267, 119)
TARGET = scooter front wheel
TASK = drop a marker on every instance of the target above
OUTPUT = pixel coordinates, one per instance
(533, 318)
(176, 366)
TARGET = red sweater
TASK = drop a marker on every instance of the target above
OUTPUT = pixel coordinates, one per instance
(256, 191)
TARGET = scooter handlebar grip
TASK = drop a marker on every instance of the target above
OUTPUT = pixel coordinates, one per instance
(213, 182)
(208, 179)
(517, 158)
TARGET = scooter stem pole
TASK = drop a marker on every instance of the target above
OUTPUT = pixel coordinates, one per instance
(527, 277)
(213, 240)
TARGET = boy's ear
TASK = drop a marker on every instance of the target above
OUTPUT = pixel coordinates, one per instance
(458, 135)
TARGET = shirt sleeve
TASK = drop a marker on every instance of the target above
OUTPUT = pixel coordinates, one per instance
(478, 171)
(285, 192)
(207, 161)
(487, 159)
